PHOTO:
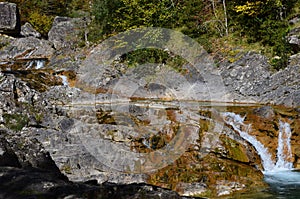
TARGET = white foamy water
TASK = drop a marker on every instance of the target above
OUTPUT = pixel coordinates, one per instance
(39, 64)
(236, 121)
(64, 80)
(284, 152)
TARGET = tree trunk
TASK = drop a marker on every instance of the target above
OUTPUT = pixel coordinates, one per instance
(225, 17)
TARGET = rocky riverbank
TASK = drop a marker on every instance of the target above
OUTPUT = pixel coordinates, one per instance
(110, 129)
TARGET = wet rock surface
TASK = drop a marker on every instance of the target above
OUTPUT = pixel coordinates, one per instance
(26, 48)
(37, 183)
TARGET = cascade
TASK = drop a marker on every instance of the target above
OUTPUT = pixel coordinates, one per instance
(284, 154)
(39, 64)
(284, 151)
(36, 64)
(64, 80)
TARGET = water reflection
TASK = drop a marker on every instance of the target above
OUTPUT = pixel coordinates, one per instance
(284, 184)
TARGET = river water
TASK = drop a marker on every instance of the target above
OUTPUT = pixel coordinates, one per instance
(283, 184)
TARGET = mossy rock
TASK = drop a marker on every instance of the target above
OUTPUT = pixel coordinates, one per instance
(236, 150)
(15, 121)
(208, 170)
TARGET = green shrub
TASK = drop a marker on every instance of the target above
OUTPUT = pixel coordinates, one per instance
(15, 121)
(41, 22)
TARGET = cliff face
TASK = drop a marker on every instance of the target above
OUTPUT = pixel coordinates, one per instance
(64, 109)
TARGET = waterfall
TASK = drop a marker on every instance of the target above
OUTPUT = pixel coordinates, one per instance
(64, 80)
(236, 121)
(284, 153)
(37, 64)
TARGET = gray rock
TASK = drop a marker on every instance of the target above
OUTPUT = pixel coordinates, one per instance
(138, 191)
(7, 155)
(9, 18)
(294, 60)
(265, 112)
(243, 78)
(250, 80)
(27, 48)
(294, 39)
(67, 33)
(192, 189)
(27, 30)
(294, 20)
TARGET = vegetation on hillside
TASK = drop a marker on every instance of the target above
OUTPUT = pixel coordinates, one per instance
(225, 28)
(221, 26)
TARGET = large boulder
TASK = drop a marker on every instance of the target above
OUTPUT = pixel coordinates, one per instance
(67, 33)
(9, 18)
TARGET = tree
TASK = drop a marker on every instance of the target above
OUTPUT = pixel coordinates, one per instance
(121, 15)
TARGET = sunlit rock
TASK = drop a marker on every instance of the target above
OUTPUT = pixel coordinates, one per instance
(9, 18)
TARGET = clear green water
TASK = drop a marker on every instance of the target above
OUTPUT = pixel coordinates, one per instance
(283, 185)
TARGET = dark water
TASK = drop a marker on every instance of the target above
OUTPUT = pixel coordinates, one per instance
(283, 184)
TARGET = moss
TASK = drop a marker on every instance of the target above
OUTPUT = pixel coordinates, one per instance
(39, 117)
(204, 124)
(208, 194)
(15, 121)
(209, 170)
(66, 169)
(29, 192)
(205, 113)
(235, 150)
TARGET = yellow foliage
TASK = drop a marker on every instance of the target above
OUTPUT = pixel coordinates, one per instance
(40, 22)
(254, 8)
(250, 8)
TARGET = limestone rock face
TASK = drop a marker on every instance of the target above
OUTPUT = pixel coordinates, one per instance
(9, 18)
(135, 115)
(265, 112)
(250, 78)
(67, 33)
